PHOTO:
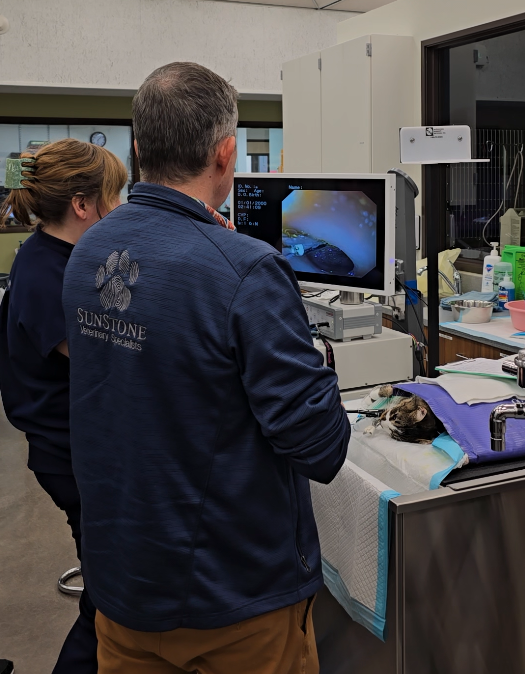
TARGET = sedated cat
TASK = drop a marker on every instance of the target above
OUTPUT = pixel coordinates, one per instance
(409, 420)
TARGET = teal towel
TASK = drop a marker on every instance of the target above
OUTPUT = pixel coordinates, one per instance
(472, 295)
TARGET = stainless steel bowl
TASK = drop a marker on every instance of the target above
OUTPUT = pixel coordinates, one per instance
(472, 311)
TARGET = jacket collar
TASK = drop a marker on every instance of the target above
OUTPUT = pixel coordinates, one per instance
(168, 199)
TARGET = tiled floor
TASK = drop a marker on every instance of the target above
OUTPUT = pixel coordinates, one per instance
(35, 548)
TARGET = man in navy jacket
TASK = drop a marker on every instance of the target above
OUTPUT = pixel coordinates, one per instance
(200, 409)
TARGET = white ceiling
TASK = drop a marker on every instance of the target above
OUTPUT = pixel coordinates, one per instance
(340, 5)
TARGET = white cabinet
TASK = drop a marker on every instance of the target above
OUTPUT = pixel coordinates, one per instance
(302, 115)
(346, 108)
(343, 107)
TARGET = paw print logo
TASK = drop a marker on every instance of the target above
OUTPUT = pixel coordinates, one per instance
(113, 279)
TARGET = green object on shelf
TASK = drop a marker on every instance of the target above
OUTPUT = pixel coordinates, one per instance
(516, 256)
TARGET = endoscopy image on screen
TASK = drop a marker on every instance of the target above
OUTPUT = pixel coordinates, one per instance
(327, 232)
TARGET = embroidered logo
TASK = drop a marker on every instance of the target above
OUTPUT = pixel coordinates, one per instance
(113, 279)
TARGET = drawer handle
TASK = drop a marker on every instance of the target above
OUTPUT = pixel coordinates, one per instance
(460, 355)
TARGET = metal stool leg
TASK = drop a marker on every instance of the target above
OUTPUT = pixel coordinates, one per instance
(75, 590)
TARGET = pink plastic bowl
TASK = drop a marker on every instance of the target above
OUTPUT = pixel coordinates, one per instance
(517, 314)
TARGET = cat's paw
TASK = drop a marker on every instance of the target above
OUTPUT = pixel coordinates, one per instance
(369, 430)
(386, 391)
(371, 398)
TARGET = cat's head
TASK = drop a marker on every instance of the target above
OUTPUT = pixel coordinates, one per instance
(412, 420)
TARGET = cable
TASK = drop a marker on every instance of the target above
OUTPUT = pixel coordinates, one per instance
(418, 348)
(417, 319)
(412, 290)
(315, 295)
(503, 201)
(394, 320)
(408, 292)
(418, 353)
(420, 357)
(334, 299)
(519, 179)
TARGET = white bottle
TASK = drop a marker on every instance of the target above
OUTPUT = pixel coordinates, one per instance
(487, 281)
(507, 292)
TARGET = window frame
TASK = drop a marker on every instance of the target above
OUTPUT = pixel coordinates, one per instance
(434, 108)
(72, 121)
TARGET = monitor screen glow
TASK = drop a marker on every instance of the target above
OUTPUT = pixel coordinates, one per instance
(336, 230)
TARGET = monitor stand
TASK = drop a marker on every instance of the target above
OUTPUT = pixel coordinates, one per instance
(347, 297)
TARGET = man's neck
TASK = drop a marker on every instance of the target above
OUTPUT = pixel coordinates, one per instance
(200, 188)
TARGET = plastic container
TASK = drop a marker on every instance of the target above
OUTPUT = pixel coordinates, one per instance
(506, 292)
(487, 280)
(500, 269)
(517, 314)
(516, 256)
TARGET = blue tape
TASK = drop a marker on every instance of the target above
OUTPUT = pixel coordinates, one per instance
(414, 296)
(383, 548)
(357, 611)
(451, 448)
(373, 620)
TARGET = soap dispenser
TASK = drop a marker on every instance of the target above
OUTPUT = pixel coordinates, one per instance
(487, 281)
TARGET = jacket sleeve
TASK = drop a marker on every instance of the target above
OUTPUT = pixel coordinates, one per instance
(293, 396)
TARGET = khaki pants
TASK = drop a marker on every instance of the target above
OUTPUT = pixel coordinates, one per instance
(280, 642)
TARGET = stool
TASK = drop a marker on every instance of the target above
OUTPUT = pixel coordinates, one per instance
(74, 590)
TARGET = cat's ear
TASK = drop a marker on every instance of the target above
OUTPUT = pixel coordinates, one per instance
(420, 414)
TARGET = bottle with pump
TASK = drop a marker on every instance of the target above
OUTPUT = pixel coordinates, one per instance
(507, 292)
(487, 281)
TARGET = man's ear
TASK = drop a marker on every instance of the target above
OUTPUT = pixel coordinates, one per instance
(225, 151)
(78, 202)
(136, 147)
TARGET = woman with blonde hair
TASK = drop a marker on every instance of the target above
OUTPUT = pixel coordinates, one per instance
(65, 188)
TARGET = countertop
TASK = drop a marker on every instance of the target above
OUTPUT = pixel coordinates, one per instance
(498, 333)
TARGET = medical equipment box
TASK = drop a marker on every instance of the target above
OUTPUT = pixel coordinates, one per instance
(383, 359)
(344, 321)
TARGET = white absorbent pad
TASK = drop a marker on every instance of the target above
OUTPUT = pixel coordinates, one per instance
(472, 389)
(353, 523)
(407, 467)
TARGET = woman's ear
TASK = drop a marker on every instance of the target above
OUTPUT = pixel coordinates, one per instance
(78, 202)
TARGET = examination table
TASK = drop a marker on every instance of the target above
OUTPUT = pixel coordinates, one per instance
(456, 588)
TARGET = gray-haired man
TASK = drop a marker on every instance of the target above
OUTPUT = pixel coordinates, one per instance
(199, 411)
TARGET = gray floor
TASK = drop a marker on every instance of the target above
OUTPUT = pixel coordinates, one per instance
(35, 548)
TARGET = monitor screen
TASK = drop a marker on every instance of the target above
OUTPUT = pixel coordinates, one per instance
(335, 230)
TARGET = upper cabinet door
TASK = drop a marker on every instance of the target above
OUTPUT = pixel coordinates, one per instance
(346, 116)
(393, 101)
(302, 115)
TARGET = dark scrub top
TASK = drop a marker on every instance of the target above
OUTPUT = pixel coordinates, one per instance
(34, 377)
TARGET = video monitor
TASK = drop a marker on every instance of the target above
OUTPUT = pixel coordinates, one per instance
(336, 230)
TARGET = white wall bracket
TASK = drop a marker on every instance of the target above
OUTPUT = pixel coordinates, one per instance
(437, 145)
